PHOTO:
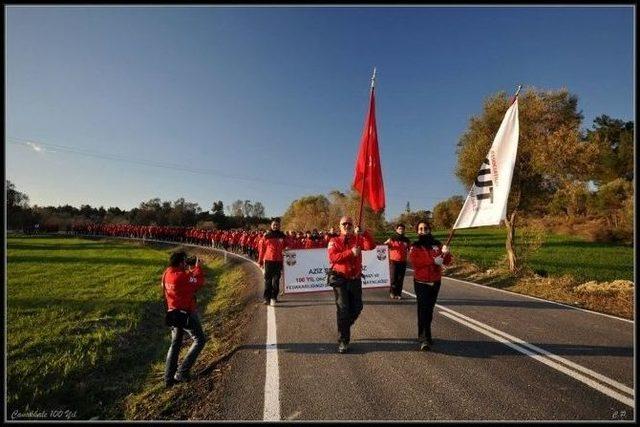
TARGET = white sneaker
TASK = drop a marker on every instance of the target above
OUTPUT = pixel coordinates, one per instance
(273, 303)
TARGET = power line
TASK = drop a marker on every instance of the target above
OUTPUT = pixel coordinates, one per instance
(172, 166)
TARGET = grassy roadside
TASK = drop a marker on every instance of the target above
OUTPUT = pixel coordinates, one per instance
(223, 316)
(85, 329)
(567, 269)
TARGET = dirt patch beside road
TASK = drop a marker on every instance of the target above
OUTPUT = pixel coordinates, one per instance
(615, 298)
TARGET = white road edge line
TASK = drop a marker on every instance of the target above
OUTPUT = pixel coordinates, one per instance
(545, 357)
(272, 376)
(540, 358)
(536, 298)
(542, 351)
(271, 410)
(272, 382)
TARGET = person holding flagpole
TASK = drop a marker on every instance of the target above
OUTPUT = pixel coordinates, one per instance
(345, 276)
(427, 256)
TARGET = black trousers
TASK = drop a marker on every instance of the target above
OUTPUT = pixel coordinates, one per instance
(348, 293)
(396, 274)
(426, 296)
(272, 272)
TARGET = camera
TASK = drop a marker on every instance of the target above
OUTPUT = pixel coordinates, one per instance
(191, 260)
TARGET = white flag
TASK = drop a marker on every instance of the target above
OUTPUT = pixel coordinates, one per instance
(486, 203)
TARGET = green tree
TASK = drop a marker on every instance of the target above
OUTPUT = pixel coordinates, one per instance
(184, 213)
(551, 151)
(306, 213)
(218, 209)
(614, 141)
(247, 208)
(411, 219)
(148, 212)
(571, 199)
(446, 212)
(236, 208)
(323, 213)
(17, 204)
(15, 198)
(612, 202)
(258, 210)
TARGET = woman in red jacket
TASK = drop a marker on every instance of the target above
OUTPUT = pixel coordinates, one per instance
(427, 256)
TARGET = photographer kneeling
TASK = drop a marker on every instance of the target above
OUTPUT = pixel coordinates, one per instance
(180, 281)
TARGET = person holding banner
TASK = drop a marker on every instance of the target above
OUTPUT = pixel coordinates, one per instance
(345, 276)
(270, 258)
(398, 250)
(427, 256)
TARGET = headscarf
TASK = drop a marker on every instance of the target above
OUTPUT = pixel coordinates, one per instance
(426, 241)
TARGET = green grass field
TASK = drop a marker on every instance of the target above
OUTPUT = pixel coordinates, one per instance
(85, 323)
(85, 326)
(559, 254)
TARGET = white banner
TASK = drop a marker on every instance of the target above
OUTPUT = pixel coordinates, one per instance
(486, 203)
(305, 270)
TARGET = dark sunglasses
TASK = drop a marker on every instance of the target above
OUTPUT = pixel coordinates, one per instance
(346, 223)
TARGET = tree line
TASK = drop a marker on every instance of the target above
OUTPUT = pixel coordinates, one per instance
(241, 214)
(563, 174)
(560, 169)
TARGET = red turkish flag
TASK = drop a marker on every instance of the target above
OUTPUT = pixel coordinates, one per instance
(368, 175)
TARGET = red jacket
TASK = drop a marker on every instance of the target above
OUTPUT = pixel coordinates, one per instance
(312, 244)
(180, 287)
(398, 249)
(271, 246)
(424, 269)
(291, 242)
(343, 260)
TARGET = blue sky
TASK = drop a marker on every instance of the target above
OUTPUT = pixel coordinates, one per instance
(268, 103)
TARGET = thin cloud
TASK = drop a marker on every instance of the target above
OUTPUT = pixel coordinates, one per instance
(38, 148)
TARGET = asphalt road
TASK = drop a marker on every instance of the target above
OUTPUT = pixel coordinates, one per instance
(497, 356)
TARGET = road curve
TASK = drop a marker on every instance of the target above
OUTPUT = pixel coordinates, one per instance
(497, 356)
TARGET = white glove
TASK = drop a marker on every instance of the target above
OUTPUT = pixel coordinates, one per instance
(445, 249)
(438, 260)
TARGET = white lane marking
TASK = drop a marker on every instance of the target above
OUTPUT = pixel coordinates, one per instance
(544, 356)
(272, 403)
(272, 375)
(535, 348)
(536, 298)
(540, 358)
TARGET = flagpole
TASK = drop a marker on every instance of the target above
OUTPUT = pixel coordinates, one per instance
(452, 232)
(516, 94)
(366, 153)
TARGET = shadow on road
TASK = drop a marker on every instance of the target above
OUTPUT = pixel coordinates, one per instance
(473, 349)
(293, 303)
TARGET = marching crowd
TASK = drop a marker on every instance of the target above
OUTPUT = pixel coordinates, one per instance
(236, 240)
(183, 278)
